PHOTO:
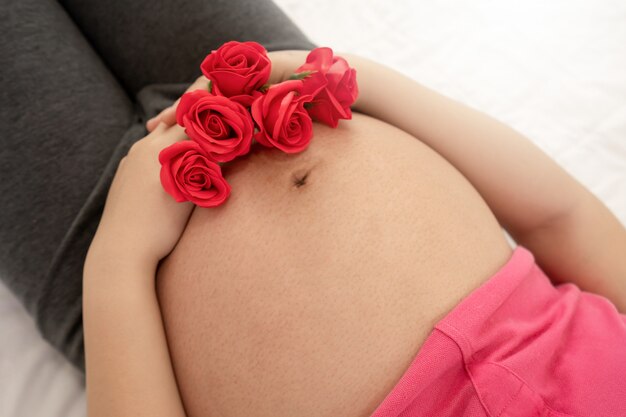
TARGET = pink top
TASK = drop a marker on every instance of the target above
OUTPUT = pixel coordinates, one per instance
(519, 346)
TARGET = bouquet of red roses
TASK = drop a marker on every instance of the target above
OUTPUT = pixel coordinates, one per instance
(239, 107)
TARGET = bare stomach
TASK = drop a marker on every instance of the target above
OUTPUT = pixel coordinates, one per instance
(310, 291)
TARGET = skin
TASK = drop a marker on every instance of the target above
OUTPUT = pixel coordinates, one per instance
(574, 237)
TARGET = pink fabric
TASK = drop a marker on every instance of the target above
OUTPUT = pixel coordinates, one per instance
(519, 346)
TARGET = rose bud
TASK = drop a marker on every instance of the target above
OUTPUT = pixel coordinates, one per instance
(282, 119)
(237, 69)
(332, 82)
(187, 174)
(221, 126)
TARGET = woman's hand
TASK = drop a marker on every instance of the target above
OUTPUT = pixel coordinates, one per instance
(168, 115)
(141, 223)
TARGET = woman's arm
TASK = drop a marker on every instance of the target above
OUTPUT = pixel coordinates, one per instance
(128, 366)
(574, 237)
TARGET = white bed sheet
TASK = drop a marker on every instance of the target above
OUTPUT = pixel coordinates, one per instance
(555, 71)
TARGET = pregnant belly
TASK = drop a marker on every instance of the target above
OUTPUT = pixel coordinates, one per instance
(310, 291)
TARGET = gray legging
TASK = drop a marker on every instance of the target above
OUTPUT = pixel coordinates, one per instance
(78, 81)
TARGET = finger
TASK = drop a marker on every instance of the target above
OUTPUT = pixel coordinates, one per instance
(152, 123)
(201, 83)
(161, 137)
(164, 135)
(160, 128)
(168, 115)
(173, 134)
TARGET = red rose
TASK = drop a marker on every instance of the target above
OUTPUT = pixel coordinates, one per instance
(237, 69)
(281, 117)
(245, 99)
(221, 126)
(333, 86)
(188, 175)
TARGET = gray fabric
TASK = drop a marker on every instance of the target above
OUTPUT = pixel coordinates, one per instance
(79, 79)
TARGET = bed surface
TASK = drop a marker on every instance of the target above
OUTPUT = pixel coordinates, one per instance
(555, 71)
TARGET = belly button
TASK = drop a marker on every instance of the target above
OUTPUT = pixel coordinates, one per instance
(299, 178)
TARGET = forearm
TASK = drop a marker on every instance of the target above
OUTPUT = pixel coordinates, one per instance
(128, 367)
(586, 247)
(573, 235)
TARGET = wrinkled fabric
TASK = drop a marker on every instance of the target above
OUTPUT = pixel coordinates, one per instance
(519, 346)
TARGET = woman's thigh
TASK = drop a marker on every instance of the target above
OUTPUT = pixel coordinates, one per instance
(66, 121)
(147, 42)
(61, 119)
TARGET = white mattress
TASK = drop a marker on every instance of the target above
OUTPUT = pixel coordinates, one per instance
(553, 70)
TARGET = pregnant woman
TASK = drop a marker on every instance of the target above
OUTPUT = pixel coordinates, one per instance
(366, 275)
